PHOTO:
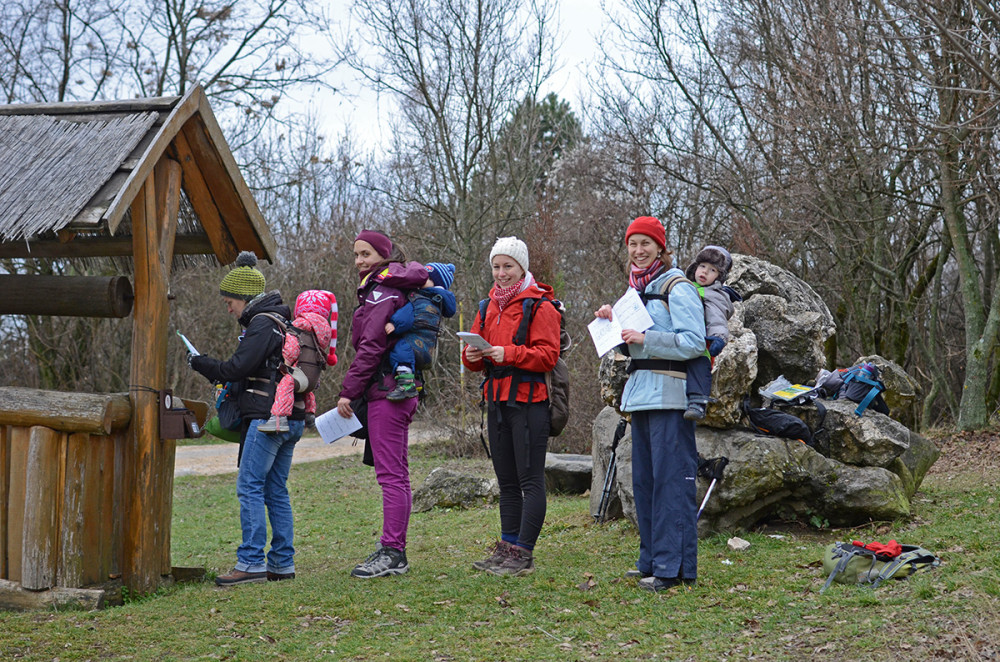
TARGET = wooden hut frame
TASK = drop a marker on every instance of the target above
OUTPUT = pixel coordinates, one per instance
(137, 157)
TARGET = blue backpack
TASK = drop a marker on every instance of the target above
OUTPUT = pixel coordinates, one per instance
(859, 384)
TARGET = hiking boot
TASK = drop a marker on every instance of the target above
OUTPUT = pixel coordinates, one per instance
(406, 387)
(657, 584)
(498, 553)
(695, 411)
(519, 562)
(384, 561)
(240, 577)
(279, 576)
(274, 424)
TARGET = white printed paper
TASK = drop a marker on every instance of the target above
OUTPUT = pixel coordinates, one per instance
(627, 313)
(332, 426)
(475, 340)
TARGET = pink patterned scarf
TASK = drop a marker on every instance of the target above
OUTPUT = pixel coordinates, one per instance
(640, 278)
(503, 295)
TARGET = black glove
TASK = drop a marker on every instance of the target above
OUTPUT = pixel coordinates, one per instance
(310, 420)
(715, 345)
(198, 362)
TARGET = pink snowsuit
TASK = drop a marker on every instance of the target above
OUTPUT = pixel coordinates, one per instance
(316, 312)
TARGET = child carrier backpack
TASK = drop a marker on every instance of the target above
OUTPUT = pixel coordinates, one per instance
(859, 384)
(856, 563)
(557, 379)
(423, 336)
(308, 369)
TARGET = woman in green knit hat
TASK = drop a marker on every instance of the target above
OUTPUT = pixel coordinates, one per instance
(265, 458)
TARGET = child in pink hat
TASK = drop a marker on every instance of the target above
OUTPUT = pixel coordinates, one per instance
(315, 313)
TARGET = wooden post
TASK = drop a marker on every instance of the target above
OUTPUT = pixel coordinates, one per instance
(154, 225)
(4, 495)
(42, 494)
(20, 439)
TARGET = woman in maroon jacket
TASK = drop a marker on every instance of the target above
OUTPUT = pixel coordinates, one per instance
(517, 398)
(384, 276)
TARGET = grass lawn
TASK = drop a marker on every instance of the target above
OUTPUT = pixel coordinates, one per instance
(762, 603)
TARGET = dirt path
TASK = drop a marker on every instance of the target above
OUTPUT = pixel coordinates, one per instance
(214, 459)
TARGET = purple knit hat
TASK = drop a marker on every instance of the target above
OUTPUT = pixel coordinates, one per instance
(381, 243)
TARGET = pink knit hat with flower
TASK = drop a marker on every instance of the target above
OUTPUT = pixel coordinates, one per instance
(319, 302)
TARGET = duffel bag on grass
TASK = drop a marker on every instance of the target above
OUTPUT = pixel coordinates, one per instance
(857, 563)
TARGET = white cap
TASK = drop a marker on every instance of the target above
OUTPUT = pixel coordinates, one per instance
(512, 247)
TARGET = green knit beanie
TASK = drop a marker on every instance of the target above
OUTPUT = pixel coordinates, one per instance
(243, 282)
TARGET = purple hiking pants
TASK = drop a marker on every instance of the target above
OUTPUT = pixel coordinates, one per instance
(388, 430)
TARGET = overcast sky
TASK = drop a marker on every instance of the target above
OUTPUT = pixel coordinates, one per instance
(580, 22)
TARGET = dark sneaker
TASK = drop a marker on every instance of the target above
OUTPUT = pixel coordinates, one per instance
(657, 584)
(274, 424)
(240, 577)
(498, 553)
(385, 561)
(406, 387)
(635, 574)
(519, 562)
(695, 411)
(279, 576)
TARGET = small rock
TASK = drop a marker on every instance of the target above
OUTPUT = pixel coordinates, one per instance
(738, 544)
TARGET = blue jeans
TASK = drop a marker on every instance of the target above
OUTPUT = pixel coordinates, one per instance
(260, 484)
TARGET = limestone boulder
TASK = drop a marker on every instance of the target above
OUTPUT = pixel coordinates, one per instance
(791, 323)
(446, 488)
(567, 473)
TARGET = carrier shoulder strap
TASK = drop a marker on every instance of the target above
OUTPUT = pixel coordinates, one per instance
(845, 552)
(665, 289)
(918, 559)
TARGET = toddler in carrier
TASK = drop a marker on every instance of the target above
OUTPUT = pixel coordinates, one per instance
(708, 273)
(417, 324)
(309, 347)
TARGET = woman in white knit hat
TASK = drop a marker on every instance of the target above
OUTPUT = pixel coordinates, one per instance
(517, 399)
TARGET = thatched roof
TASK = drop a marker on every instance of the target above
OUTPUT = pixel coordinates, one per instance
(69, 172)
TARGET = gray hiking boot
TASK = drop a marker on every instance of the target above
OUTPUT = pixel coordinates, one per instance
(695, 411)
(274, 424)
(498, 553)
(519, 562)
(384, 561)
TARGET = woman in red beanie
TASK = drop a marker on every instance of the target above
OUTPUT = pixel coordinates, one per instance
(664, 456)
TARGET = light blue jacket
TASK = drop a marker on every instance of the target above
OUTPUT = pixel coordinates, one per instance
(677, 334)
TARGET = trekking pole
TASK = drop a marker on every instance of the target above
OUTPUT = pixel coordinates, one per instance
(711, 469)
(612, 472)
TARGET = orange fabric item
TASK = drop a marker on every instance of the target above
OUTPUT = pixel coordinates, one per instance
(538, 355)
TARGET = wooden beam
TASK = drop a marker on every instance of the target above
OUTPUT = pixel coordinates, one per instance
(200, 195)
(14, 597)
(93, 413)
(72, 296)
(215, 140)
(161, 104)
(184, 244)
(185, 108)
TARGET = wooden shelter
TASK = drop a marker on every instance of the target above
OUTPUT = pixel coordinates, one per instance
(86, 480)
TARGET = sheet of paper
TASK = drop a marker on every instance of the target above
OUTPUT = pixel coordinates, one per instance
(474, 339)
(606, 334)
(627, 313)
(631, 313)
(187, 343)
(332, 426)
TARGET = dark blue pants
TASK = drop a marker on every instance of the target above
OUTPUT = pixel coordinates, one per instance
(699, 379)
(664, 466)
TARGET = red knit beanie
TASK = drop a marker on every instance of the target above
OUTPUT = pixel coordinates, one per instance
(649, 226)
